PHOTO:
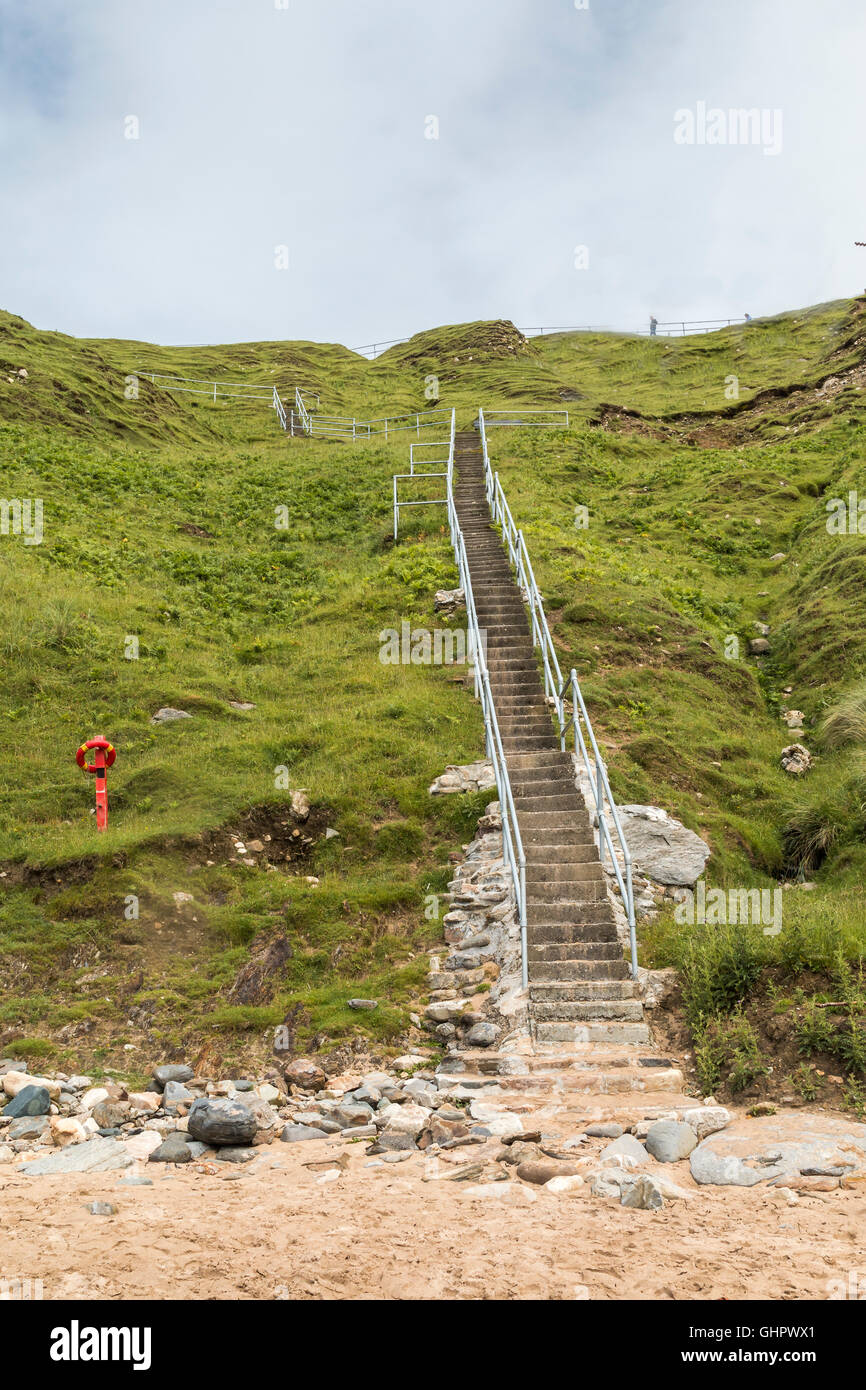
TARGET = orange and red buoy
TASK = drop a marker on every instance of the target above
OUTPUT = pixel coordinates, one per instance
(103, 757)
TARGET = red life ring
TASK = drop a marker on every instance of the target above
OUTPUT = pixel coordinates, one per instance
(109, 750)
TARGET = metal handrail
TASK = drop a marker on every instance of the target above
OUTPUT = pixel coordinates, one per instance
(557, 692)
(494, 417)
(280, 409)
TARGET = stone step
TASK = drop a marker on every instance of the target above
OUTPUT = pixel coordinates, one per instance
(565, 970)
(552, 993)
(560, 879)
(569, 951)
(560, 933)
(591, 1032)
(541, 760)
(585, 1011)
(568, 914)
(556, 801)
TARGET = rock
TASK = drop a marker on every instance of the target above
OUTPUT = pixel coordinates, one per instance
(140, 1146)
(346, 1116)
(394, 1140)
(304, 1074)
(708, 1119)
(572, 1184)
(448, 600)
(228, 1154)
(644, 1194)
(407, 1119)
(171, 1072)
(795, 759)
(23, 373)
(661, 847)
(7, 1154)
(606, 1131)
(110, 1114)
(174, 1149)
(300, 805)
(93, 1156)
(443, 1131)
(101, 1208)
(167, 714)
(445, 1031)
(670, 1140)
(147, 1101)
(29, 1100)
(15, 1081)
(296, 1134)
(471, 777)
(625, 1147)
(363, 1003)
(541, 1171)
(786, 1144)
(482, 1035)
(656, 986)
(221, 1122)
(758, 646)
(67, 1131)
(93, 1096)
(359, 1132)
(31, 1127)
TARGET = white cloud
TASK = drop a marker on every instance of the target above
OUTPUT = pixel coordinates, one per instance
(306, 126)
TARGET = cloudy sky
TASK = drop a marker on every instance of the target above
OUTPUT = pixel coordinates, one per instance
(307, 125)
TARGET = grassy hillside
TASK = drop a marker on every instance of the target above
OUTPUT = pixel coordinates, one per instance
(160, 525)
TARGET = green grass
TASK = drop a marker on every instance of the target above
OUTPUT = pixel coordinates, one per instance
(160, 518)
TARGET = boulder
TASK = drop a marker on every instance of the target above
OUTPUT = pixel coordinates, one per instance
(304, 1074)
(173, 1149)
(96, 1155)
(792, 1143)
(31, 1127)
(221, 1122)
(29, 1100)
(167, 714)
(15, 1081)
(661, 847)
(707, 1119)
(295, 1134)
(670, 1140)
(482, 1035)
(625, 1147)
(171, 1072)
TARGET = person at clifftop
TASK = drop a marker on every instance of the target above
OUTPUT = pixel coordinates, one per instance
(654, 323)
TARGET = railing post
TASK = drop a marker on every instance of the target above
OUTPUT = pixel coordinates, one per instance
(396, 508)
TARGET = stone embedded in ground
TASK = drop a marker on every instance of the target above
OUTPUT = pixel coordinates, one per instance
(470, 777)
(626, 1146)
(143, 1144)
(227, 1154)
(171, 1072)
(541, 1171)
(482, 1035)
(93, 1156)
(173, 1149)
(304, 1074)
(300, 805)
(295, 1134)
(406, 1119)
(644, 1194)
(30, 1127)
(167, 714)
(221, 1122)
(670, 1140)
(109, 1114)
(663, 848)
(605, 1131)
(30, 1100)
(758, 646)
(347, 1116)
(511, 1194)
(744, 1154)
(363, 1003)
(573, 1183)
(656, 986)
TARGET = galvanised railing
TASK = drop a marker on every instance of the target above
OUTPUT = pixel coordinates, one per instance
(565, 696)
(551, 419)
(280, 409)
(512, 844)
(215, 389)
(349, 427)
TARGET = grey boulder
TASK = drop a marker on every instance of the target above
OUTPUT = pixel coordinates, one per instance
(221, 1122)
(171, 1072)
(30, 1100)
(670, 1140)
(295, 1134)
(93, 1156)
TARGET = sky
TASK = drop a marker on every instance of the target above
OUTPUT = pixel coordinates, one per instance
(207, 171)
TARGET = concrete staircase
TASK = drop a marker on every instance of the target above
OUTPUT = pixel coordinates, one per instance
(580, 990)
